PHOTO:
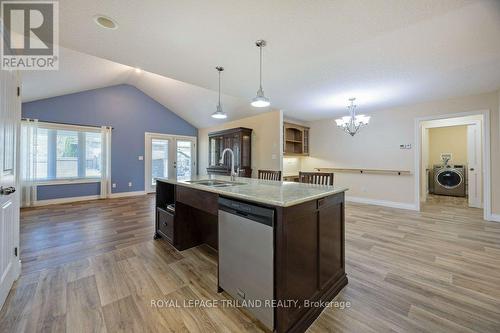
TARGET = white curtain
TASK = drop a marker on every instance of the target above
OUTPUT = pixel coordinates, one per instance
(106, 162)
(28, 161)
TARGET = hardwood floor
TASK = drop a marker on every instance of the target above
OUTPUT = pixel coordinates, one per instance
(93, 267)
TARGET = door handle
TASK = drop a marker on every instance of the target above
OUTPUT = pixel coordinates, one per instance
(471, 169)
(7, 190)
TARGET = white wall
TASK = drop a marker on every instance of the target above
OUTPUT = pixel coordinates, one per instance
(377, 147)
(266, 141)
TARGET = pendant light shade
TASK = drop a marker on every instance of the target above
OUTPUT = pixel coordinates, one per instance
(219, 113)
(260, 101)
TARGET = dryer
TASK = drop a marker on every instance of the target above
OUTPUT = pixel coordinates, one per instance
(449, 180)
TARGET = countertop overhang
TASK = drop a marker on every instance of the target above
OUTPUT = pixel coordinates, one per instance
(268, 192)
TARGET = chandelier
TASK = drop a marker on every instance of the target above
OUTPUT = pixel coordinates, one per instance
(352, 123)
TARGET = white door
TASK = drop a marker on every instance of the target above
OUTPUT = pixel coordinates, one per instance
(185, 159)
(424, 188)
(10, 119)
(474, 175)
(158, 160)
(168, 156)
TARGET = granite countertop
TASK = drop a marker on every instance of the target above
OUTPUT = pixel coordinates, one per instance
(283, 194)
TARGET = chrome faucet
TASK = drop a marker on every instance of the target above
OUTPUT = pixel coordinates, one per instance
(233, 172)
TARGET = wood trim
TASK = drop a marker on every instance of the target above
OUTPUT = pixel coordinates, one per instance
(230, 131)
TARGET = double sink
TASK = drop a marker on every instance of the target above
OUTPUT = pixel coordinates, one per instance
(214, 183)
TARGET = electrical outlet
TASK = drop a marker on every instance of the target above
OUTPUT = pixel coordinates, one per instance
(141, 158)
(129, 184)
(113, 185)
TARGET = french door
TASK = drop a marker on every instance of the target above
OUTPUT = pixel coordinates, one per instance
(168, 156)
(10, 120)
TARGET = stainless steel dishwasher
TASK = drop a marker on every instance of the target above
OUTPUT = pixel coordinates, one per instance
(246, 246)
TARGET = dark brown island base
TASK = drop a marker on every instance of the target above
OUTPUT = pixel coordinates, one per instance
(306, 239)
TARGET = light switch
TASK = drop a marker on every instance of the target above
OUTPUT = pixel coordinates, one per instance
(113, 185)
(141, 158)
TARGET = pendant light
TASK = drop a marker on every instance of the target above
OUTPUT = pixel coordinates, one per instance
(260, 101)
(219, 114)
(352, 123)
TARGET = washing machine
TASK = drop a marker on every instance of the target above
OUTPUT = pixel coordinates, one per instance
(448, 180)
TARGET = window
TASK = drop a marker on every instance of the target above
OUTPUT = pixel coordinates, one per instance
(67, 152)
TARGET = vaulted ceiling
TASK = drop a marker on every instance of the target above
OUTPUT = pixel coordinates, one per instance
(384, 52)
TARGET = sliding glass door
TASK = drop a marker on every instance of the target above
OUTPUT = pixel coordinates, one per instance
(168, 156)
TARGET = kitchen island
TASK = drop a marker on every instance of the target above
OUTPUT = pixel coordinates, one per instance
(306, 242)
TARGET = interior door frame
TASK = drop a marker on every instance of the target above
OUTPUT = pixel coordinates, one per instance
(172, 156)
(486, 158)
(12, 81)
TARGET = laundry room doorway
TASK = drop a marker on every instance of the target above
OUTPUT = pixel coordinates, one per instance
(453, 168)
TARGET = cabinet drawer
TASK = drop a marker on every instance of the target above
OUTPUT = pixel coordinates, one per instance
(201, 200)
(166, 224)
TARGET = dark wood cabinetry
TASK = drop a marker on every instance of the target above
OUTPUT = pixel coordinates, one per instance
(239, 140)
(165, 224)
(310, 264)
(309, 253)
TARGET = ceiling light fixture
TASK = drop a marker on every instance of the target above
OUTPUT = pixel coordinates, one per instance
(260, 101)
(352, 123)
(219, 113)
(105, 22)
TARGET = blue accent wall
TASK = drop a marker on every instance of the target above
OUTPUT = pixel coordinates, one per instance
(129, 111)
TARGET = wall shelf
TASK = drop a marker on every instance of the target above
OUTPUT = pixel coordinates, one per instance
(366, 171)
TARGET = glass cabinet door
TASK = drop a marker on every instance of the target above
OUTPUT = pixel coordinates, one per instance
(245, 151)
(235, 140)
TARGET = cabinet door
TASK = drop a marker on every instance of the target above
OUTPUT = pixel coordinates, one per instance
(298, 261)
(246, 150)
(331, 235)
(236, 147)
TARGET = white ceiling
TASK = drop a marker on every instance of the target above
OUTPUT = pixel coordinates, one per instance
(384, 52)
(79, 71)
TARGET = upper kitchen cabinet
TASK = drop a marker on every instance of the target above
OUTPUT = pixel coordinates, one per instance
(295, 140)
(239, 140)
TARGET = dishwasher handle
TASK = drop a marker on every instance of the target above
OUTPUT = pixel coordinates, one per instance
(248, 211)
